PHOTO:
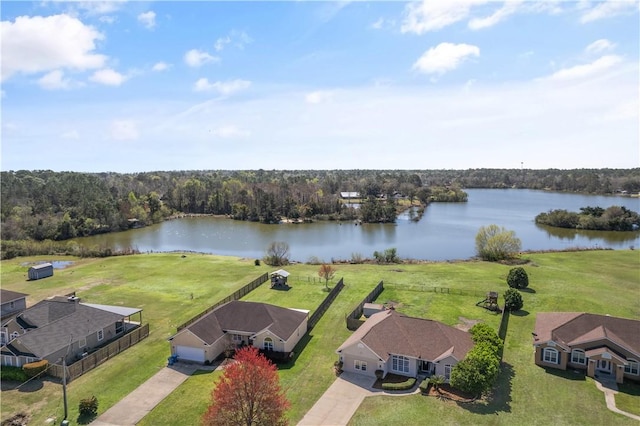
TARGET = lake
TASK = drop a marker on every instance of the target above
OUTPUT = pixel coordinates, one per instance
(446, 231)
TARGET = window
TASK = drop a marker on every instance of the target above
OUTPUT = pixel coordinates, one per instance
(100, 335)
(447, 371)
(550, 355)
(236, 338)
(360, 365)
(400, 363)
(577, 357)
(119, 327)
(82, 342)
(633, 367)
(268, 344)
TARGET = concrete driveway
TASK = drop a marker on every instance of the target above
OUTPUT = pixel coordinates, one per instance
(133, 407)
(338, 404)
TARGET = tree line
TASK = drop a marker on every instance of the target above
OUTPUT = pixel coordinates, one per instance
(614, 218)
(47, 205)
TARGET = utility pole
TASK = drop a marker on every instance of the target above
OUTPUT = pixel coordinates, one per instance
(65, 422)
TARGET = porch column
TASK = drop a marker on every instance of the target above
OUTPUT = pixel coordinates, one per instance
(591, 368)
(619, 372)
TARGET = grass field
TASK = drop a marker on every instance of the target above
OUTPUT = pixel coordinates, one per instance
(171, 289)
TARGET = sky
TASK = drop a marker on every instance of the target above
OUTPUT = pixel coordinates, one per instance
(133, 86)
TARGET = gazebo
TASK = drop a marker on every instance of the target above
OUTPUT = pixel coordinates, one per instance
(279, 279)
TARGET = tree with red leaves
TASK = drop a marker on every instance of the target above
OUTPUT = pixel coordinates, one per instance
(248, 393)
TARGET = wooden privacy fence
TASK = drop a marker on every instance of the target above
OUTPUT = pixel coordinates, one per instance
(237, 295)
(313, 320)
(96, 358)
(353, 319)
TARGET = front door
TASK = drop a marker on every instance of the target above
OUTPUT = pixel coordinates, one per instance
(604, 365)
(426, 367)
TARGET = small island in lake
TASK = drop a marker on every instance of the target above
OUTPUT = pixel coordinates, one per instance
(614, 218)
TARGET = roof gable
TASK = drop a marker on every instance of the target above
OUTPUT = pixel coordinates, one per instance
(390, 332)
(247, 317)
(578, 328)
(7, 296)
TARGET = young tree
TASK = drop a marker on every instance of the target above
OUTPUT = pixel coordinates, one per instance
(497, 243)
(477, 372)
(518, 278)
(513, 300)
(277, 254)
(248, 393)
(326, 272)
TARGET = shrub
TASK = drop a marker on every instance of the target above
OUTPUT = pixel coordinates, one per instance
(16, 374)
(256, 262)
(424, 386)
(379, 374)
(407, 384)
(483, 334)
(518, 278)
(34, 369)
(437, 380)
(513, 300)
(88, 407)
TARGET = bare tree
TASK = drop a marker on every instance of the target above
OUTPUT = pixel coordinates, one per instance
(326, 272)
(277, 254)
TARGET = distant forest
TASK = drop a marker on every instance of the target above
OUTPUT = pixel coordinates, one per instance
(46, 205)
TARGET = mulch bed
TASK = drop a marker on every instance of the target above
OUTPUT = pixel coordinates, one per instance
(447, 392)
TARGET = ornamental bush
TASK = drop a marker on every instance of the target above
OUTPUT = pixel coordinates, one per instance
(407, 384)
(513, 300)
(34, 369)
(17, 374)
(88, 407)
(518, 278)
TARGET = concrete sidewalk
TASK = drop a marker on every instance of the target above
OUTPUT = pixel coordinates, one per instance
(133, 407)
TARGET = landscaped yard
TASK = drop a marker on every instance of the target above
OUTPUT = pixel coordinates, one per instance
(171, 289)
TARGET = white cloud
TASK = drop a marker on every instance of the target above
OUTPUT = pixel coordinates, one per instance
(378, 24)
(108, 77)
(231, 132)
(107, 19)
(99, 7)
(36, 44)
(221, 42)
(161, 66)
(235, 38)
(195, 58)
(445, 57)
(608, 9)
(222, 87)
(72, 134)
(148, 19)
(124, 130)
(499, 15)
(430, 15)
(319, 96)
(54, 80)
(586, 70)
(599, 46)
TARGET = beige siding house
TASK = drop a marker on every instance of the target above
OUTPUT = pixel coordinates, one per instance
(398, 344)
(272, 329)
(601, 345)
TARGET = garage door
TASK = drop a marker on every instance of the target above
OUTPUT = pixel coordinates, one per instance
(187, 353)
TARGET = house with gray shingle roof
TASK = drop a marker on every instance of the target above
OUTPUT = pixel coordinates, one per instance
(272, 329)
(601, 345)
(62, 327)
(12, 302)
(408, 346)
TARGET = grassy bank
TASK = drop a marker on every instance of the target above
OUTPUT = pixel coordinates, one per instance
(171, 289)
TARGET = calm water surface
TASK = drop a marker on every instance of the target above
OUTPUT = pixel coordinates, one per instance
(446, 231)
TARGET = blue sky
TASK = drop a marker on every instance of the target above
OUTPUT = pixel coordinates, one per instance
(143, 86)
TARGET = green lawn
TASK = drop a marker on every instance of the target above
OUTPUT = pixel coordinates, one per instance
(163, 285)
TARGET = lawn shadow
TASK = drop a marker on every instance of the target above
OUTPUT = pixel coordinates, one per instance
(520, 313)
(85, 419)
(33, 385)
(499, 400)
(296, 352)
(527, 290)
(566, 374)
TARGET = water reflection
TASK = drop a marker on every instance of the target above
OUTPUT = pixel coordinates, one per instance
(609, 237)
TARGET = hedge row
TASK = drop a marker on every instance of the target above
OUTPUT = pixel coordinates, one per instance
(407, 384)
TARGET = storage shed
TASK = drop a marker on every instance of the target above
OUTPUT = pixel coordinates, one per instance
(369, 309)
(42, 270)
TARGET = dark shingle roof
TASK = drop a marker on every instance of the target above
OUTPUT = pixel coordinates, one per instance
(58, 323)
(9, 296)
(390, 332)
(573, 328)
(247, 317)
